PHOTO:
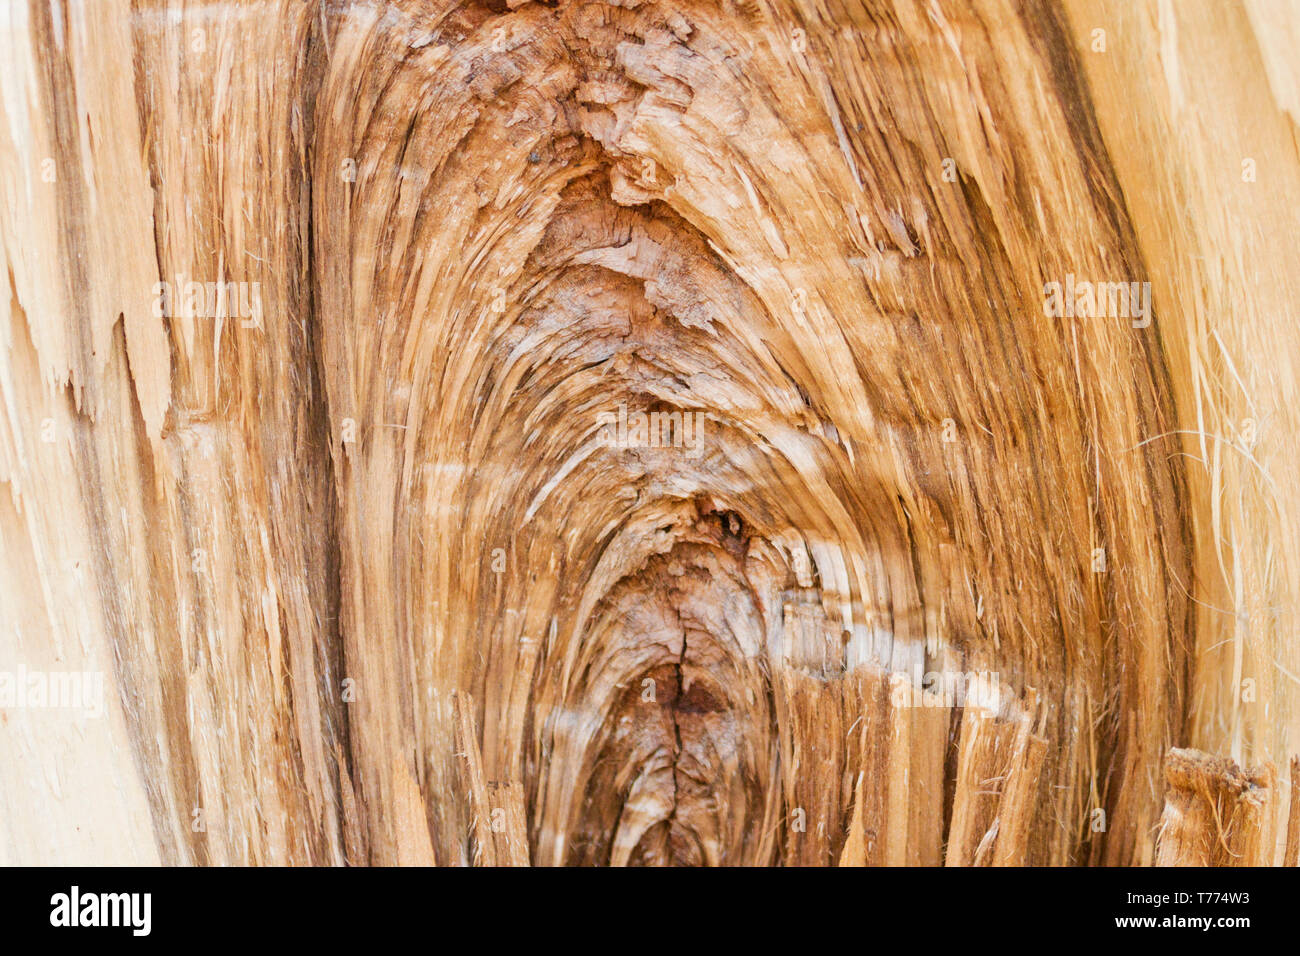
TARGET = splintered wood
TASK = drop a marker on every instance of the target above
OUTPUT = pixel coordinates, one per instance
(1216, 814)
(998, 764)
(625, 432)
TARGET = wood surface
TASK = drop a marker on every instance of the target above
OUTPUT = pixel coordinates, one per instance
(385, 570)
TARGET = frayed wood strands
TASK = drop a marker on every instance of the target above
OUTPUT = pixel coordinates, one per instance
(790, 432)
(1215, 813)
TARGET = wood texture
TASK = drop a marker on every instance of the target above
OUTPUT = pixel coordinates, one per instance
(646, 443)
(1215, 814)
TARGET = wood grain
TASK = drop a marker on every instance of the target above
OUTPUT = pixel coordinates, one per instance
(649, 445)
